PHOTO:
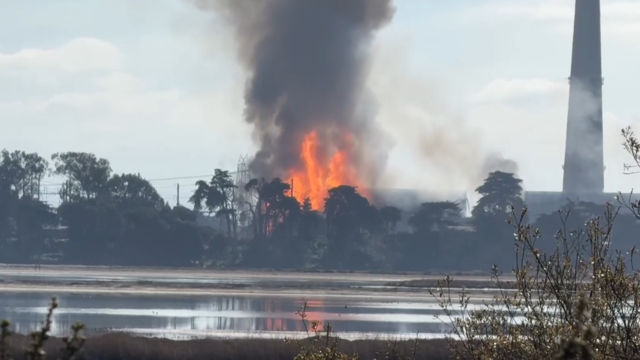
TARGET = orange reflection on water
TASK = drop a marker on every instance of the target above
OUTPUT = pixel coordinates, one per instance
(274, 324)
(311, 316)
(279, 324)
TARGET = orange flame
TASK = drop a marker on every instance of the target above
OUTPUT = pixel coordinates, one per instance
(315, 178)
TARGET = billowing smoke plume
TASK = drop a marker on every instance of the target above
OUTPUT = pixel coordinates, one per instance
(307, 62)
(496, 162)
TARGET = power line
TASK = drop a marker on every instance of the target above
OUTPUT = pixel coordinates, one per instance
(174, 185)
(182, 178)
(51, 189)
(159, 179)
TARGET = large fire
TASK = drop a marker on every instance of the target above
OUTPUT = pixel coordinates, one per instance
(316, 176)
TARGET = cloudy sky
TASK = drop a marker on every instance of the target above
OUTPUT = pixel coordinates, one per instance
(154, 86)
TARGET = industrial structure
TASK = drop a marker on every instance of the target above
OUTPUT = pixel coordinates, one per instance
(243, 198)
(584, 152)
(583, 178)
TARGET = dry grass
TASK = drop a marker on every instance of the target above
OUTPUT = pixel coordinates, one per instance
(126, 347)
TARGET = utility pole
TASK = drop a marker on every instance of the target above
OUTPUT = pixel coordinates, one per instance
(292, 187)
(178, 195)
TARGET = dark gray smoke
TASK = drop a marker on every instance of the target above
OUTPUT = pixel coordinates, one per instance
(495, 162)
(307, 64)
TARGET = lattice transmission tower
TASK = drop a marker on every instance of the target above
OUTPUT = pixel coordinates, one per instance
(242, 197)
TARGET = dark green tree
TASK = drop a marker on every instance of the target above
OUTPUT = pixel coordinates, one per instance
(351, 222)
(275, 218)
(168, 237)
(33, 220)
(87, 176)
(26, 171)
(130, 191)
(390, 216)
(499, 192)
(94, 231)
(24, 219)
(435, 217)
(430, 224)
(218, 197)
(500, 199)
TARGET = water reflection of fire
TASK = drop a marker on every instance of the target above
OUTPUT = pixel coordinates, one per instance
(274, 324)
(319, 174)
(282, 325)
(312, 316)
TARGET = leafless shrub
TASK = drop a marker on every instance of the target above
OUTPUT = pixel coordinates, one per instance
(72, 345)
(321, 343)
(561, 300)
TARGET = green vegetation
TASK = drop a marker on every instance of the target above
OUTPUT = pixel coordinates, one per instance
(111, 219)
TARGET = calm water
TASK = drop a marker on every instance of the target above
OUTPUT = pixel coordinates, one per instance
(218, 316)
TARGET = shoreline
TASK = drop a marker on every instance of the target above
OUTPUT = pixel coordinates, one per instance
(203, 282)
(199, 273)
(354, 295)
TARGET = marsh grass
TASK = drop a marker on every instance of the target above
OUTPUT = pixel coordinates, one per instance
(126, 347)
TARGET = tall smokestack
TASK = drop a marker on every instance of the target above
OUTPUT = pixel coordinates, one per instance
(584, 153)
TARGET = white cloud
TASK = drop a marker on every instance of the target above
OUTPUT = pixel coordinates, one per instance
(557, 10)
(96, 104)
(118, 81)
(78, 55)
(626, 30)
(621, 9)
(619, 17)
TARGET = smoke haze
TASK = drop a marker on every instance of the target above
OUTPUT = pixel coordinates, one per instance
(307, 64)
(441, 151)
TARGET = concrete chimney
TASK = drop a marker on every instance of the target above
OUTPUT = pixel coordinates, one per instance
(584, 153)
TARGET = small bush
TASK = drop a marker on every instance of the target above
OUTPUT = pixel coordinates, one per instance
(322, 343)
(38, 339)
(579, 301)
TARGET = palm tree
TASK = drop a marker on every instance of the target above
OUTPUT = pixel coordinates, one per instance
(218, 197)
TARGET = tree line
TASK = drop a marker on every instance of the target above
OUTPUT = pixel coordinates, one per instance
(120, 219)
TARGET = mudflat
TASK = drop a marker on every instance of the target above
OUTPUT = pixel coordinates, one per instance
(176, 281)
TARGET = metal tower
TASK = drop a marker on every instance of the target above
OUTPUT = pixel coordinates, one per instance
(242, 198)
(584, 154)
(243, 175)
